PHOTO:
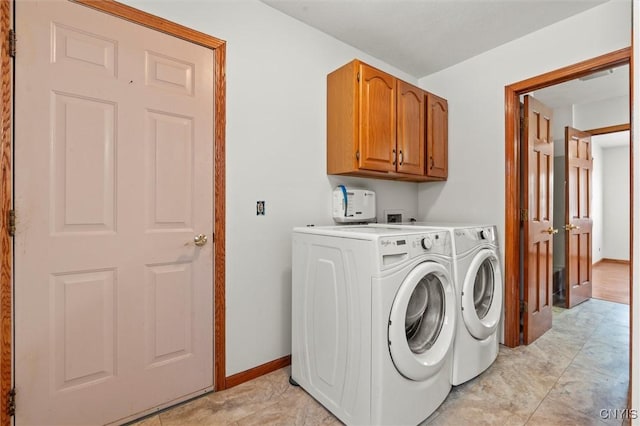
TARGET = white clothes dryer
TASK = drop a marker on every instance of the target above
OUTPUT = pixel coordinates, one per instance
(373, 321)
(479, 294)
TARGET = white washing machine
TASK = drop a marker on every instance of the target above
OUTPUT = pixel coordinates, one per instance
(373, 321)
(479, 290)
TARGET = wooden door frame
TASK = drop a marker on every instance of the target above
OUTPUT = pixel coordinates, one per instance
(139, 17)
(512, 173)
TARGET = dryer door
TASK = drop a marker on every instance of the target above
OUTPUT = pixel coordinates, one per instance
(421, 324)
(482, 295)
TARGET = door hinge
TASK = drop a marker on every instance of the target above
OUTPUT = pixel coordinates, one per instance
(358, 76)
(524, 215)
(358, 155)
(523, 307)
(12, 43)
(11, 402)
(12, 223)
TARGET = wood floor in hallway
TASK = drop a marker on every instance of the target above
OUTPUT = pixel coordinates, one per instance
(610, 281)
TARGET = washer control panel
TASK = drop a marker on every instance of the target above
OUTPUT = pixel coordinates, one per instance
(437, 242)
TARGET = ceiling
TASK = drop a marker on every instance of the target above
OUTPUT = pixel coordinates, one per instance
(421, 37)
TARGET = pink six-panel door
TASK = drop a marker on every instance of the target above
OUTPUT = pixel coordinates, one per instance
(113, 180)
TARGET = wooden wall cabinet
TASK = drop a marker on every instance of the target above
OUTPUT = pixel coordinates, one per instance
(378, 126)
(437, 136)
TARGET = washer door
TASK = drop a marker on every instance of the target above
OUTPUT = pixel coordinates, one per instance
(421, 324)
(482, 295)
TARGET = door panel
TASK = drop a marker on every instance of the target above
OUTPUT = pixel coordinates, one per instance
(377, 120)
(411, 130)
(538, 230)
(437, 136)
(578, 221)
(113, 300)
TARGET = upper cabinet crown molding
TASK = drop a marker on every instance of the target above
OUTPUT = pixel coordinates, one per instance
(379, 126)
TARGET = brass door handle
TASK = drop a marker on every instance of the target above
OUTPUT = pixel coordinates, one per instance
(200, 240)
(551, 230)
(571, 227)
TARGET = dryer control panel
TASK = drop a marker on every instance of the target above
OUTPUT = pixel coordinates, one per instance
(399, 248)
(469, 238)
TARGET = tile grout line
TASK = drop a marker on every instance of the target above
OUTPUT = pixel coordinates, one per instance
(587, 338)
(559, 376)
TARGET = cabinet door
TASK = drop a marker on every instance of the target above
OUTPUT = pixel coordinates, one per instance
(410, 129)
(437, 136)
(377, 120)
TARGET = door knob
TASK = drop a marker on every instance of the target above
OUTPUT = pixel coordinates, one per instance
(571, 227)
(200, 240)
(551, 230)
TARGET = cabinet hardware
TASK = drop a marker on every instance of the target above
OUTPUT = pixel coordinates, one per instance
(394, 157)
(431, 159)
(401, 158)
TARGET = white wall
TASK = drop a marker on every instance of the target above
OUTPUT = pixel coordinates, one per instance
(597, 207)
(603, 113)
(475, 90)
(276, 151)
(615, 201)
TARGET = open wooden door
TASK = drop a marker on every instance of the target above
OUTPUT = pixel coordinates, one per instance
(578, 221)
(537, 216)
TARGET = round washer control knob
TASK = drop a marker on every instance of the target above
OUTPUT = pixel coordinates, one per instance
(426, 243)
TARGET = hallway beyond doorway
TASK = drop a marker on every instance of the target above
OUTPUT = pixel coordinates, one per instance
(611, 281)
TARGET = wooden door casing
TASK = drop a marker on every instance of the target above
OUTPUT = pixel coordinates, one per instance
(578, 221)
(513, 248)
(377, 120)
(538, 225)
(410, 129)
(437, 136)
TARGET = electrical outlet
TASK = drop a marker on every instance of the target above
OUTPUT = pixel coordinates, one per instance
(260, 208)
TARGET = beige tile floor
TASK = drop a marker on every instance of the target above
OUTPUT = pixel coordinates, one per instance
(566, 377)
